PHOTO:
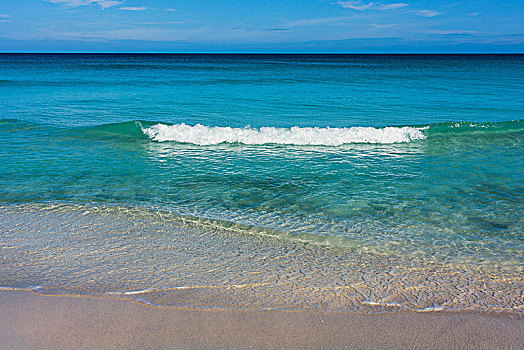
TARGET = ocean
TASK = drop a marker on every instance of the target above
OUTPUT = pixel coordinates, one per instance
(350, 183)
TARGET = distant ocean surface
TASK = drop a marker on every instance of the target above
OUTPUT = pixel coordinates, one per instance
(367, 183)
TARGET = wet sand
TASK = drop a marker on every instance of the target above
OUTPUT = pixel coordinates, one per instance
(30, 321)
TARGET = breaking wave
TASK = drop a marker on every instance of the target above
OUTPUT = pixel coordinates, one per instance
(206, 135)
(203, 135)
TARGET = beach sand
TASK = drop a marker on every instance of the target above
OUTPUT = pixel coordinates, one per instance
(30, 321)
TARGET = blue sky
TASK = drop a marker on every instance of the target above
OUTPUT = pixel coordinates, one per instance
(261, 26)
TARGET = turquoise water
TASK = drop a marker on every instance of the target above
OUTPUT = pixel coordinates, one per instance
(333, 165)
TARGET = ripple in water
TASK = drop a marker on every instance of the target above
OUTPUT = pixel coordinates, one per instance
(162, 259)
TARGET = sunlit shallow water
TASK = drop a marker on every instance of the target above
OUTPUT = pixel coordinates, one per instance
(160, 259)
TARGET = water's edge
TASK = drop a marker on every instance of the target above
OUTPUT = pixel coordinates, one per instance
(199, 265)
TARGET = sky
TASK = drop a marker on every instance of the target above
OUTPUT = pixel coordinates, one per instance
(402, 26)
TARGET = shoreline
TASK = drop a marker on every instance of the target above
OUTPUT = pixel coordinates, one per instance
(179, 263)
(33, 321)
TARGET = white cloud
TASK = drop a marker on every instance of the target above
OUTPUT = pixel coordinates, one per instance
(5, 16)
(170, 10)
(138, 8)
(149, 33)
(453, 32)
(362, 6)
(428, 13)
(473, 14)
(317, 21)
(453, 4)
(75, 3)
(356, 5)
(382, 26)
(387, 7)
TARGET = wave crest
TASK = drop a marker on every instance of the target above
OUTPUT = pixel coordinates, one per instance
(205, 135)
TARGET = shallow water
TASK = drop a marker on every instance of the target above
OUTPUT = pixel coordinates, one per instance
(165, 260)
(349, 183)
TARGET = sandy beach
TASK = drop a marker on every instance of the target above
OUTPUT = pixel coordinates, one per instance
(31, 321)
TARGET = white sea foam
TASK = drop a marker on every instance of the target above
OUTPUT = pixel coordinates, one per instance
(133, 292)
(149, 290)
(23, 289)
(432, 308)
(205, 135)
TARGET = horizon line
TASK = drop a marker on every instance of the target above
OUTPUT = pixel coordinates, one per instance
(260, 53)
